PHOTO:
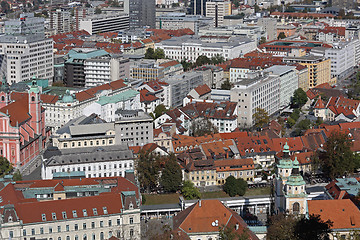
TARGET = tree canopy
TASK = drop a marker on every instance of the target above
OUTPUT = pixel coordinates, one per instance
(171, 176)
(154, 54)
(148, 168)
(235, 186)
(261, 117)
(217, 59)
(5, 166)
(226, 85)
(299, 98)
(189, 191)
(229, 233)
(202, 60)
(338, 159)
(290, 227)
(281, 35)
(160, 110)
(17, 176)
(202, 127)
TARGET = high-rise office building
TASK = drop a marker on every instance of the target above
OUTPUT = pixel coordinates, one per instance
(198, 7)
(217, 10)
(25, 52)
(141, 13)
(61, 21)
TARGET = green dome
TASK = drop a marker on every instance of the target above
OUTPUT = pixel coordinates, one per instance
(4, 85)
(286, 147)
(34, 87)
(67, 98)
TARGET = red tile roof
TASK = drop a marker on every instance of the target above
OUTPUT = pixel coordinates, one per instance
(342, 212)
(302, 15)
(146, 96)
(199, 218)
(319, 104)
(202, 90)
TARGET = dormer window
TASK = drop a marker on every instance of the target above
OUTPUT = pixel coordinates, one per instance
(53, 216)
(131, 206)
(43, 217)
(95, 211)
(10, 219)
(105, 210)
(74, 213)
(85, 213)
(64, 215)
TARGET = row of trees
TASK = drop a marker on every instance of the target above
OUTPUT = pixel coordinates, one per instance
(7, 168)
(154, 54)
(202, 60)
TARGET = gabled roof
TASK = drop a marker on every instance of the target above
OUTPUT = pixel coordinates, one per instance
(202, 89)
(342, 212)
(319, 104)
(206, 216)
(146, 96)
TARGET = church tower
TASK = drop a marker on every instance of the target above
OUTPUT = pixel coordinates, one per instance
(35, 107)
(290, 194)
(295, 194)
(4, 93)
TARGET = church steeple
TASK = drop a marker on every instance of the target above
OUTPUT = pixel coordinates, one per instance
(4, 93)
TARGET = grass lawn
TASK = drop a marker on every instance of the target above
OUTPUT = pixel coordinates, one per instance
(154, 199)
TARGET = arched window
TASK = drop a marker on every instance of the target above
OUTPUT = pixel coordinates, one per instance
(33, 99)
(2, 98)
(84, 237)
(296, 208)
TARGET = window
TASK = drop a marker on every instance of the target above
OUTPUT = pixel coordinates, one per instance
(101, 236)
(24, 232)
(131, 220)
(41, 230)
(85, 212)
(43, 217)
(33, 231)
(67, 228)
(105, 210)
(92, 224)
(101, 224)
(131, 232)
(59, 238)
(84, 237)
(67, 237)
(11, 234)
(76, 237)
(53, 216)
(50, 230)
(93, 236)
(84, 225)
(110, 223)
(296, 208)
(74, 213)
(95, 211)
(76, 227)
(118, 221)
(59, 228)
(64, 215)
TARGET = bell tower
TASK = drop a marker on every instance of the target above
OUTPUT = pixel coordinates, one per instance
(295, 194)
(4, 93)
(35, 107)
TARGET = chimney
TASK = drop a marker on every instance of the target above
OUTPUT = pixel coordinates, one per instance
(236, 226)
(200, 203)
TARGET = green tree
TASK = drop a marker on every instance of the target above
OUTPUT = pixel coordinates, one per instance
(299, 98)
(226, 85)
(189, 191)
(159, 54)
(281, 35)
(261, 117)
(186, 65)
(98, 11)
(262, 40)
(256, 8)
(295, 114)
(160, 110)
(149, 54)
(304, 124)
(312, 228)
(229, 233)
(17, 175)
(290, 122)
(5, 166)
(202, 60)
(5, 7)
(281, 227)
(217, 59)
(148, 168)
(235, 186)
(338, 159)
(171, 176)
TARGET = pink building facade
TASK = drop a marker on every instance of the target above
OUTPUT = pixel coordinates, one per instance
(22, 125)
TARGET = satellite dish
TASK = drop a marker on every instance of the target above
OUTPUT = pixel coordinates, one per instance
(213, 224)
